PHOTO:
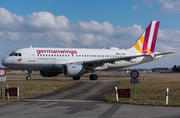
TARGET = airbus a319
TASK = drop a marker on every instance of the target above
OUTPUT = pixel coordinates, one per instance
(75, 62)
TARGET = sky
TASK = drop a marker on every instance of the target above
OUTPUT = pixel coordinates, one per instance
(89, 24)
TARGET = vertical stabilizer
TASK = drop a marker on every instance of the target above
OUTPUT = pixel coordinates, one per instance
(147, 41)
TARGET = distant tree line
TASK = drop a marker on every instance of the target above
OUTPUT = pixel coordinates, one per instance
(176, 68)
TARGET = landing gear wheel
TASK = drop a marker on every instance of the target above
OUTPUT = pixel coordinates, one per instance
(29, 75)
(76, 78)
(93, 77)
(28, 78)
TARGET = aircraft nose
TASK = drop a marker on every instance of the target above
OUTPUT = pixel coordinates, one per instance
(5, 61)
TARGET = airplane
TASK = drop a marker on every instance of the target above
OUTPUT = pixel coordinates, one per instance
(75, 62)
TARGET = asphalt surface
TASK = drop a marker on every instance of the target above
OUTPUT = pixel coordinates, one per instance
(85, 110)
(83, 100)
(84, 90)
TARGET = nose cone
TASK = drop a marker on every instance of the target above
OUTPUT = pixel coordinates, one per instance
(6, 61)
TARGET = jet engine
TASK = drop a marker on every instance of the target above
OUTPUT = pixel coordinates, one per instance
(49, 73)
(72, 70)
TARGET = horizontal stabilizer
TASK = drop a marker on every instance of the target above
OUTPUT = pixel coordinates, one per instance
(163, 53)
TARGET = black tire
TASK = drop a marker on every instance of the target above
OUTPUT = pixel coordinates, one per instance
(28, 78)
(76, 78)
(93, 77)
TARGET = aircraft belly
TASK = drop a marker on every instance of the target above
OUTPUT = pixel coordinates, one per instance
(30, 66)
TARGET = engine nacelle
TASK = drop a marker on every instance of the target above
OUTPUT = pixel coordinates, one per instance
(49, 73)
(72, 70)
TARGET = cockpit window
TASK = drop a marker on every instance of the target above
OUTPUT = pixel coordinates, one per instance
(12, 54)
(15, 54)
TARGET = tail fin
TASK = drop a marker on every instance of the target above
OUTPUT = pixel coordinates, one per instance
(147, 41)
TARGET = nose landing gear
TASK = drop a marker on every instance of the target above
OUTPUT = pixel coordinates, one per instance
(29, 75)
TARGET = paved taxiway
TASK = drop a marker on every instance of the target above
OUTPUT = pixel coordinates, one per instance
(85, 110)
(85, 100)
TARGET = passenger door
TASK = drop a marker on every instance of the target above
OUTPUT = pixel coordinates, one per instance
(31, 56)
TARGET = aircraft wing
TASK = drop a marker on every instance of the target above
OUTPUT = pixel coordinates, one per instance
(99, 62)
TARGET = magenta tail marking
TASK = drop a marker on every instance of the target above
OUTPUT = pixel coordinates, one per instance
(146, 38)
(154, 37)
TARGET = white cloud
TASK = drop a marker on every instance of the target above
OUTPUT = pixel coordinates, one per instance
(9, 21)
(167, 6)
(12, 36)
(170, 6)
(135, 8)
(95, 27)
(131, 32)
(46, 20)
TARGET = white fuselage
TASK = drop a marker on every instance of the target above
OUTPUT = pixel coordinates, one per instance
(55, 58)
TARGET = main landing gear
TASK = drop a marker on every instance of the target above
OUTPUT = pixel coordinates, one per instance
(29, 75)
(76, 78)
(93, 76)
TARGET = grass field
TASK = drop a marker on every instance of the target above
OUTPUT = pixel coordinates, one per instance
(151, 92)
(30, 89)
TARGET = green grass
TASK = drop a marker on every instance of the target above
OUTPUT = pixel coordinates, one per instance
(30, 89)
(151, 92)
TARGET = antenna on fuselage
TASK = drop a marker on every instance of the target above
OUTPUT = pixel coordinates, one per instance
(31, 46)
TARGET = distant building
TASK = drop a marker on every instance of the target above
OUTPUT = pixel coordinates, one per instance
(156, 70)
